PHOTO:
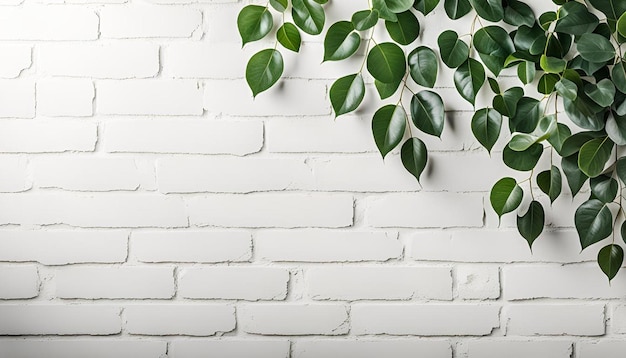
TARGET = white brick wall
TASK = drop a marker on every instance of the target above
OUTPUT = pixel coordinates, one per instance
(151, 208)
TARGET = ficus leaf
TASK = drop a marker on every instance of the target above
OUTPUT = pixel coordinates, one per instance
(486, 126)
(490, 10)
(505, 196)
(254, 23)
(594, 155)
(526, 72)
(620, 169)
(383, 10)
(494, 45)
(456, 9)
(547, 82)
(493, 84)
(414, 156)
(428, 112)
(566, 88)
(526, 116)
(517, 13)
(405, 30)
(522, 161)
(425, 6)
(603, 93)
(595, 48)
(575, 19)
(263, 70)
(289, 36)
(552, 64)
(621, 25)
(530, 225)
(423, 66)
(308, 15)
(610, 259)
(575, 177)
(279, 5)
(604, 188)
(398, 6)
(594, 222)
(364, 20)
(618, 75)
(386, 90)
(583, 112)
(386, 62)
(616, 129)
(469, 78)
(522, 141)
(506, 103)
(341, 41)
(546, 19)
(388, 127)
(347, 93)
(454, 51)
(573, 143)
(613, 9)
(559, 136)
(550, 182)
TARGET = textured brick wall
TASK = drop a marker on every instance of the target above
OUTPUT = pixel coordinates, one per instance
(149, 208)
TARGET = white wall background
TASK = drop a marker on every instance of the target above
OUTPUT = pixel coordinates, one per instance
(150, 208)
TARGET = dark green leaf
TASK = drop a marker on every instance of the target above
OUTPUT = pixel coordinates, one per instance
(576, 141)
(486, 126)
(490, 10)
(383, 10)
(610, 259)
(506, 103)
(604, 188)
(552, 64)
(347, 93)
(254, 22)
(425, 6)
(386, 90)
(583, 113)
(517, 13)
(547, 82)
(398, 6)
(405, 30)
(616, 129)
(263, 70)
(575, 177)
(566, 88)
(386, 62)
(594, 222)
(494, 46)
(621, 25)
(505, 196)
(522, 161)
(595, 48)
(469, 78)
(550, 182)
(493, 84)
(578, 63)
(308, 15)
(603, 93)
(428, 112)
(388, 127)
(623, 231)
(365, 19)
(531, 39)
(594, 155)
(522, 141)
(620, 169)
(559, 136)
(456, 9)
(526, 72)
(279, 5)
(414, 156)
(546, 19)
(341, 41)
(423, 66)
(289, 36)
(618, 74)
(526, 116)
(530, 225)
(575, 19)
(454, 52)
(613, 9)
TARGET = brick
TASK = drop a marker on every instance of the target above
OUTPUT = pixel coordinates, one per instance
(149, 97)
(571, 281)
(233, 97)
(435, 210)
(115, 282)
(272, 210)
(87, 173)
(188, 320)
(518, 349)
(17, 98)
(94, 211)
(340, 348)
(26, 348)
(326, 246)
(561, 319)
(382, 283)
(15, 59)
(114, 60)
(234, 283)
(14, 175)
(618, 319)
(293, 319)
(148, 21)
(230, 175)
(48, 23)
(201, 60)
(62, 97)
(496, 246)
(61, 247)
(229, 348)
(191, 246)
(477, 283)
(19, 282)
(47, 136)
(424, 319)
(59, 320)
(184, 136)
(604, 348)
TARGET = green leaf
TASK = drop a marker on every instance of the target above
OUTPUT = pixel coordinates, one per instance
(526, 72)
(593, 156)
(490, 10)
(456, 9)
(493, 84)
(428, 112)
(289, 36)
(552, 64)
(405, 30)
(618, 74)
(279, 5)
(505, 196)
(621, 25)
(546, 19)
(386, 90)
(383, 10)
(454, 52)
(620, 169)
(575, 19)
(582, 112)
(595, 48)
(550, 182)
(575, 177)
(341, 41)
(398, 6)
(566, 88)
(506, 103)
(347, 93)
(547, 82)
(423, 66)
(388, 127)
(603, 93)
(517, 13)
(578, 63)
(623, 231)
(559, 136)
(613, 9)
(414, 156)
(616, 129)
(254, 23)
(530, 39)
(604, 188)
(386, 63)
(530, 225)
(469, 78)
(522, 141)
(425, 6)
(308, 15)
(365, 19)
(593, 221)
(494, 46)
(486, 126)
(573, 144)
(522, 161)
(526, 116)
(610, 259)
(263, 70)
